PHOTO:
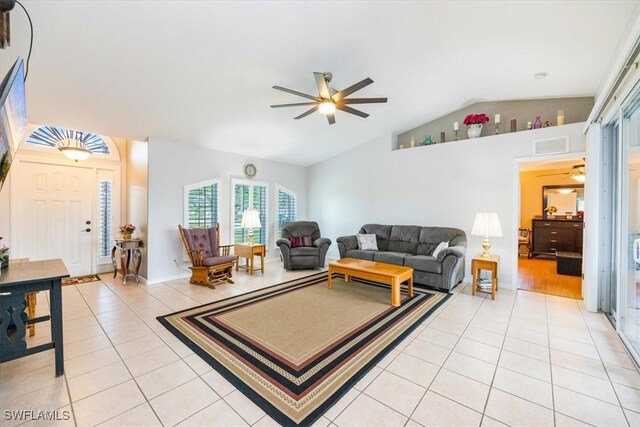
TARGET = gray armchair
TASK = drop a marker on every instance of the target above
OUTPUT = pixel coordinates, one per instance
(303, 257)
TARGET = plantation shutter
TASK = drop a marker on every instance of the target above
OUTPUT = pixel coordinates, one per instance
(106, 218)
(286, 208)
(203, 206)
(247, 196)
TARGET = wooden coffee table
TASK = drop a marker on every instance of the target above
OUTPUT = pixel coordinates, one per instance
(388, 274)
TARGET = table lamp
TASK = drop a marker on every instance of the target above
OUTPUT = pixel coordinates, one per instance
(250, 220)
(486, 224)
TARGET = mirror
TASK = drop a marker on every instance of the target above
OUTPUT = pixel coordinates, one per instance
(568, 200)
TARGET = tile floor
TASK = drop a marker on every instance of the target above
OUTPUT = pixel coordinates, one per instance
(524, 359)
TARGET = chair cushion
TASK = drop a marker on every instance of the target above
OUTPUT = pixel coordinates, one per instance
(301, 241)
(305, 251)
(217, 260)
(358, 254)
(424, 263)
(396, 258)
(202, 239)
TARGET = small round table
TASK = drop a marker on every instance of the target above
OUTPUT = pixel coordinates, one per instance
(128, 249)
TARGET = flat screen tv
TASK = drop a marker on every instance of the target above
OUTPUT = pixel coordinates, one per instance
(13, 116)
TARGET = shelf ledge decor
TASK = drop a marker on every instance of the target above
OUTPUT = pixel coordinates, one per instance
(474, 123)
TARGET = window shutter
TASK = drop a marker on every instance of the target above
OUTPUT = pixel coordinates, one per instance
(240, 204)
(203, 206)
(286, 208)
(106, 217)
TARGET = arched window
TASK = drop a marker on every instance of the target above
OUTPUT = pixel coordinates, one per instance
(49, 136)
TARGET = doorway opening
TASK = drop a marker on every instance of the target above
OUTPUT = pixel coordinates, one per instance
(550, 226)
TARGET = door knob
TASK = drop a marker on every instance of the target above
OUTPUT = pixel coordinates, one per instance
(88, 230)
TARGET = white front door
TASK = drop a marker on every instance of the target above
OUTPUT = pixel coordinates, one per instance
(52, 215)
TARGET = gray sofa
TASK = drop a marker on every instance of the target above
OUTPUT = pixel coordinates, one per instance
(412, 246)
(303, 257)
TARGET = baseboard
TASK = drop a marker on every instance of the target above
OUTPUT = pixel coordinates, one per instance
(185, 275)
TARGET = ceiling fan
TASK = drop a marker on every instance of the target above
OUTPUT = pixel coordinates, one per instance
(329, 99)
(578, 173)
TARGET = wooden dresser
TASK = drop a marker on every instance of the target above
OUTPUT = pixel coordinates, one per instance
(551, 235)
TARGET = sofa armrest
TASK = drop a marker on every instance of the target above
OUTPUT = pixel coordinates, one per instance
(346, 243)
(281, 242)
(321, 242)
(457, 251)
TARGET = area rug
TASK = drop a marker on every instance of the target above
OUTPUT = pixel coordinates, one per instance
(295, 348)
(80, 279)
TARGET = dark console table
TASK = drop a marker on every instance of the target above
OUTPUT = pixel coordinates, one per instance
(16, 281)
(552, 235)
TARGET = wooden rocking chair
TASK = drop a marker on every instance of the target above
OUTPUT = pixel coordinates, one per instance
(211, 263)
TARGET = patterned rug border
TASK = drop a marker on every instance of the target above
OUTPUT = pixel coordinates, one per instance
(263, 403)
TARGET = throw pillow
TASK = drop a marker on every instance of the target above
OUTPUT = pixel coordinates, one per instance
(441, 246)
(300, 241)
(367, 242)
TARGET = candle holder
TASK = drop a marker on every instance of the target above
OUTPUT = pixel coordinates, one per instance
(497, 128)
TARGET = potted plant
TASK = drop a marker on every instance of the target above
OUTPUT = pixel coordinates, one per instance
(551, 210)
(4, 256)
(126, 230)
(474, 123)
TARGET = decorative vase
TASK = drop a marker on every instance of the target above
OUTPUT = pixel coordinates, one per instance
(538, 123)
(474, 130)
(126, 235)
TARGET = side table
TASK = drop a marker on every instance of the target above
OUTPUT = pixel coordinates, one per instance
(128, 249)
(249, 251)
(491, 263)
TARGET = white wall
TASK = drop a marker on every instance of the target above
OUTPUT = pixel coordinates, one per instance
(438, 185)
(174, 165)
(136, 185)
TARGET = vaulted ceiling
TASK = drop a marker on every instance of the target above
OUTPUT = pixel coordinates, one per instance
(199, 72)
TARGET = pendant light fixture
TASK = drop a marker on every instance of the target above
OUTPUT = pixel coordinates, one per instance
(74, 149)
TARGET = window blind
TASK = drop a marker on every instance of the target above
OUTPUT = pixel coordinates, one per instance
(202, 206)
(106, 218)
(246, 196)
(286, 208)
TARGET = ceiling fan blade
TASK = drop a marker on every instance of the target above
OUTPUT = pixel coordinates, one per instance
(352, 111)
(306, 113)
(323, 89)
(331, 118)
(363, 100)
(295, 92)
(297, 104)
(353, 88)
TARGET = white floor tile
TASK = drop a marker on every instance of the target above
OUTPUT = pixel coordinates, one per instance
(365, 411)
(438, 411)
(585, 384)
(163, 379)
(405, 395)
(140, 416)
(461, 389)
(95, 381)
(248, 410)
(107, 404)
(183, 401)
(513, 410)
(523, 386)
(218, 414)
(587, 409)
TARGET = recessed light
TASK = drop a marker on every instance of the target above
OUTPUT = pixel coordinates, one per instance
(540, 76)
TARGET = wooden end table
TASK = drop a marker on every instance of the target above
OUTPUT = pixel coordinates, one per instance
(248, 252)
(128, 249)
(491, 263)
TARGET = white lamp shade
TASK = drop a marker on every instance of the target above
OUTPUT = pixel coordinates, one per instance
(487, 224)
(250, 219)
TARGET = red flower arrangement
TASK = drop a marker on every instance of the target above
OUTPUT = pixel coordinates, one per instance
(474, 119)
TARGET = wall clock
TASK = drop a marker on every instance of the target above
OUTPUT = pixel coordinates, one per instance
(250, 170)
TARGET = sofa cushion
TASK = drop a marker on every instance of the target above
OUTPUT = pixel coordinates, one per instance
(382, 232)
(396, 258)
(357, 253)
(304, 251)
(430, 237)
(301, 241)
(423, 263)
(367, 242)
(217, 260)
(404, 238)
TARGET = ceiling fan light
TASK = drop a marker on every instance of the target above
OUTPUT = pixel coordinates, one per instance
(327, 107)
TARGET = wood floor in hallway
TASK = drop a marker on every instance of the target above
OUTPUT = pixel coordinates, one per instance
(539, 275)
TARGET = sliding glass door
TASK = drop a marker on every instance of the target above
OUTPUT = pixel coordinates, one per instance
(628, 228)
